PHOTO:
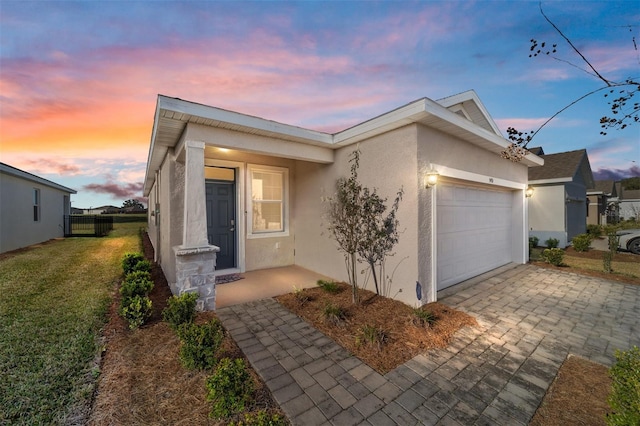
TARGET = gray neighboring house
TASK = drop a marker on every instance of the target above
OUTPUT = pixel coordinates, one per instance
(558, 207)
(32, 208)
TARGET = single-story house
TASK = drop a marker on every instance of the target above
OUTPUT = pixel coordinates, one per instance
(229, 192)
(629, 203)
(603, 203)
(32, 209)
(558, 207)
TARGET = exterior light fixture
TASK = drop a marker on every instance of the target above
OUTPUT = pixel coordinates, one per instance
(528, 192)
(431, 178)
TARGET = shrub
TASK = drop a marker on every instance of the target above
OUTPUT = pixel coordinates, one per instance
(143, 265)
(624, 399)
(136, 310)
(581, 242)
(136, 283)
(594, 230)
(260, 418)
(129, 260)
(200, 344)
(372, 336)
(229, 388)
(333, 314)
(533, 242)
(301, 296)
(423, 317)
(329, 286)
(180, 310)
(552, 243)
(553, 256)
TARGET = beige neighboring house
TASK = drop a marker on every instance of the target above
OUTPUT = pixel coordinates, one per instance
(558, 207)
(229, 192)
(32, 208)
(603, 203)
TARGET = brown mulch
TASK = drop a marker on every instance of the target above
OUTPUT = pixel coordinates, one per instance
(578, 395)
(142, 381)
(404, 339)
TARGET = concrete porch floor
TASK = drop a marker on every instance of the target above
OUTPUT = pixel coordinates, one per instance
(265, 283)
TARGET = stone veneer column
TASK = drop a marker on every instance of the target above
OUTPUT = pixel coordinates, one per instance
(196, 258)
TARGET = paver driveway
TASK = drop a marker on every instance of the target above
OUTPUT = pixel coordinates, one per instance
(497, 374)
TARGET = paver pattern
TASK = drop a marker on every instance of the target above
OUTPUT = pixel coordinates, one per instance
(495, 374)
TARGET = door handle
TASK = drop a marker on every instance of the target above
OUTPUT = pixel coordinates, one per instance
(232, 229)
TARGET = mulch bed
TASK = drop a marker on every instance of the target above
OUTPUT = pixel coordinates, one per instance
(404, 339)
(578, 395)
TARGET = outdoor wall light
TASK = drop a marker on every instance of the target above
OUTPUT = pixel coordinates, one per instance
(431, 178)
(528, 192)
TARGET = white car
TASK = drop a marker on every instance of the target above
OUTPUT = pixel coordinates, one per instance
(629, 240)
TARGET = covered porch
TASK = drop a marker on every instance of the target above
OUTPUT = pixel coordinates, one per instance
(265, 283)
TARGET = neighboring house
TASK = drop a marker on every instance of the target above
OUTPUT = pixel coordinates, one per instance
(243, 193)
(32, 209)
(558, 207)
(603, 205)
(101, 210)
(629, 203)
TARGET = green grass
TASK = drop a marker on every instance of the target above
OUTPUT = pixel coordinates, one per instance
(53, 302)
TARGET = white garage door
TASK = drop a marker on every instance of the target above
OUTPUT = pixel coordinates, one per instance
(473, 231)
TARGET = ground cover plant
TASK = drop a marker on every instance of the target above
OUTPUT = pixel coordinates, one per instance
(53, 302)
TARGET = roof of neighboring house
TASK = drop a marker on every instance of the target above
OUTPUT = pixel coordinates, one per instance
(13, 171)
(536, 150)
(563, 167)
(630, 194)
(461, 115)
(606, 187)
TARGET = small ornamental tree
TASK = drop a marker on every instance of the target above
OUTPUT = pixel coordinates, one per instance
(357, 221)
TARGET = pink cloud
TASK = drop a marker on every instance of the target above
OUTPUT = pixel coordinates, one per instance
(116, 190)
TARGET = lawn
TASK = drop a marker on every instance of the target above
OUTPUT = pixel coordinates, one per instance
(53, 302)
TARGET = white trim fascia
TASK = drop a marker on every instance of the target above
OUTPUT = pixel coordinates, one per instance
(434, 246)
(148, 180)
(478, 178)
(12, 171)
(241, 214)
(547, 181)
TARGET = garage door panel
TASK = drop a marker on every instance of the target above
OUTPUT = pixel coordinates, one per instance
(474, 232)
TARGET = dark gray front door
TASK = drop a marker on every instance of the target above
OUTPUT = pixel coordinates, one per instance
(221, 221)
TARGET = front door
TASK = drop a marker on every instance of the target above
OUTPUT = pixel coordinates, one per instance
(221, 221)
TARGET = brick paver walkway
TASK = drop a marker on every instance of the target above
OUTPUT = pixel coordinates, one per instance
(530, 319)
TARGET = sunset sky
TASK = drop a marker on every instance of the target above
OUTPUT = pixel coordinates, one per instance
(79, 80)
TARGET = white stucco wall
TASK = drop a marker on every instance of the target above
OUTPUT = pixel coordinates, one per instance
(547, 214)
(17, 227)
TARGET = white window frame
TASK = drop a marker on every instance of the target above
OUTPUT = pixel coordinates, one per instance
(251, 168)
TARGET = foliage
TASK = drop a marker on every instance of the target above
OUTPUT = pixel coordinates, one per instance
(613, 241)
(136, 310)
(372, 337)
(552, 243)
(133, 203)
(229, 388)
(533, 242)
(54, 300)
(423, 317)
(619, 96)
(180, 310)
(260, 418)
(357, 221)
(631, 183)
(143, 265)
(581, 242)
(624, 399)
(199, 344)
(553, 256)
(329, 286)
(594, 230)
(129, 261)
(136, 283)
(333, 314)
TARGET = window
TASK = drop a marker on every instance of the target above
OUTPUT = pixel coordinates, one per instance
(268, 191)
(36, 205)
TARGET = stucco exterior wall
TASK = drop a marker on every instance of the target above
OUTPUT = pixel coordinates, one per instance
(387, 163)
(547, 214)
(17, 227)
(576, 208)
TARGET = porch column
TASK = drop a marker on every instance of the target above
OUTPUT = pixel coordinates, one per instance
(195, 258)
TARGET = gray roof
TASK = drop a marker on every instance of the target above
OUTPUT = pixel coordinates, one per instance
(563, 165)
(604, 186)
